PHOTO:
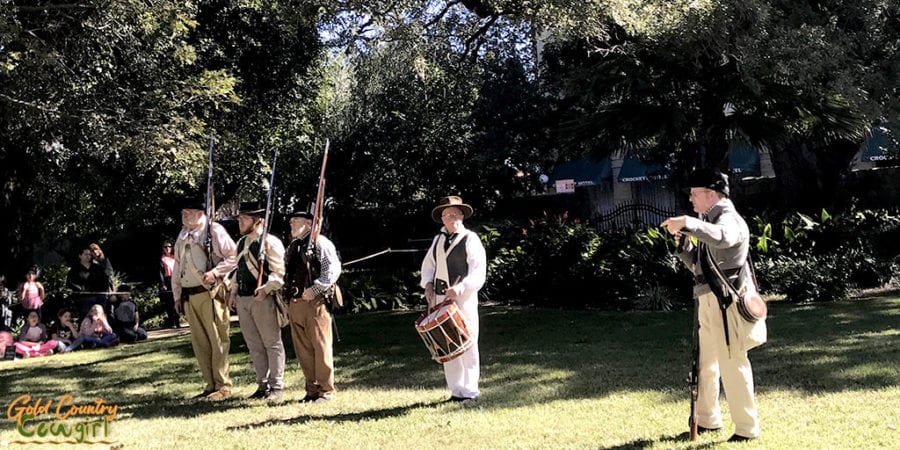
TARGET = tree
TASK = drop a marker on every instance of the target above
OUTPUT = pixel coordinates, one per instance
(805, 81)
(107, 108)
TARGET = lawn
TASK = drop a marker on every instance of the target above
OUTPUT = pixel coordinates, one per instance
(828, 378)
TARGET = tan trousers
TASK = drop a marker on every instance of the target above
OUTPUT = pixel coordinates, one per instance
(734, 369)
(259, 325)
(209, 338)
(311, 335)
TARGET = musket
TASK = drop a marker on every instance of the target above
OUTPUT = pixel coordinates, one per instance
(694, 380)
(266, 220)
(210, 211)
(210, 203)
(317, 227)
(694, 376)
(320, 200)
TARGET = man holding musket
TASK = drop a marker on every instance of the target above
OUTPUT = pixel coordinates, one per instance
(255, 301)
(312, 271)
(195, 287)
(723, 239)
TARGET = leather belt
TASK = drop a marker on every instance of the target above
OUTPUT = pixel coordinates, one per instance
(701, 279)
(194, 290)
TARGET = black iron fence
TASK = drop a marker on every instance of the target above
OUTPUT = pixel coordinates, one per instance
(632, 215)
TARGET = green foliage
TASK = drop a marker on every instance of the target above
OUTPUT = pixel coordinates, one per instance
(825, 260)
(368, 290)
(555, 263)
(107, 107)
(54, 281)
(152, 311)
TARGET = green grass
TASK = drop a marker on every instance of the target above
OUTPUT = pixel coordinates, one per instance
(828, 378)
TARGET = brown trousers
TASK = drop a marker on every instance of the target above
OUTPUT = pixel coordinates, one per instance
(311, 335)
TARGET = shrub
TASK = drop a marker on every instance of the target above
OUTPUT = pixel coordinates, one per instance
(552, 262)
(825, 258)
(369, 290)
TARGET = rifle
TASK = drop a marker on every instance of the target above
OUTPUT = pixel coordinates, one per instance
(316, 228)
(210, 211)
(320, 200)
(262, 237)
(694, 380)
(210, 203)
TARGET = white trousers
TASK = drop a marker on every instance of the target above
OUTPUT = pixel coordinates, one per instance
(732, 367)
(462, 373)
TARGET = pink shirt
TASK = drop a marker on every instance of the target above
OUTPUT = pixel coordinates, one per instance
(31, 296)
(88, 327)
(168, 263)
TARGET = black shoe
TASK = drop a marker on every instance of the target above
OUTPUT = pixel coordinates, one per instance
(739, 438)
(260, 393)
(309, 398)
(203, 394)
(455, 399)
(703, 430)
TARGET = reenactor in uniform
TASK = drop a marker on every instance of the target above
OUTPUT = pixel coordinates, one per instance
(255, 302)
(723, 236)
(198, 287)
(311, 274)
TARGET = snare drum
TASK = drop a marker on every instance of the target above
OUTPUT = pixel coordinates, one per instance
(443, 330)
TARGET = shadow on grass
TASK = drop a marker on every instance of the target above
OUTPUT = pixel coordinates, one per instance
(528, 356)
(533, 356)
(343, 417)
(683, 438)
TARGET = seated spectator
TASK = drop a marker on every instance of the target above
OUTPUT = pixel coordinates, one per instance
(6, 302)
(33, 339)
(65, 332)
(95, 330)
(125, 317)
(31, 293)
(6, 340)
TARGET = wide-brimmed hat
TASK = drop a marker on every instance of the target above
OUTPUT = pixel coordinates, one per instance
(252, 209)
(710, 179)
(447, 202)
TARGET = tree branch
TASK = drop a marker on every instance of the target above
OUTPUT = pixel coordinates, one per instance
(441, 14)
(29, 104)
(51, 7)
(481, 31)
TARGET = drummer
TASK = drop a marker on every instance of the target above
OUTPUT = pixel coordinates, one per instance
(455, 269)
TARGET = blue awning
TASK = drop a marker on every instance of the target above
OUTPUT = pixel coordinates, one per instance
(633, 169)
(878, 147)
(743, 159)
(585, 172)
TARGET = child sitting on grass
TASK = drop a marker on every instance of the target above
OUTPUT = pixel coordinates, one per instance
(95, 329)
(33, 339)
(65, 332)
(125, 317)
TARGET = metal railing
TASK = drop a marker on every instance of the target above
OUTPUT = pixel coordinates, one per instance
(632, 215)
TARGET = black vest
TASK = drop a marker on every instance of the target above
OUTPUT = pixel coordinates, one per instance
(457, 264)
(297, 276)
(246, 282)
